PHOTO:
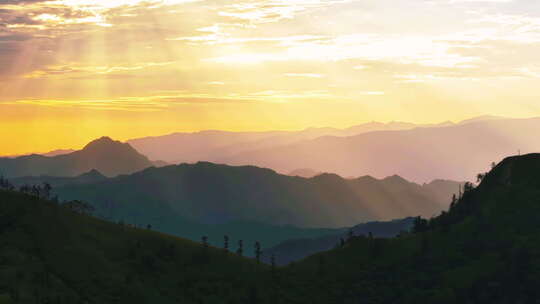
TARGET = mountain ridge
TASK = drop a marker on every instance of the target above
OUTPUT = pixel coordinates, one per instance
(104, 154)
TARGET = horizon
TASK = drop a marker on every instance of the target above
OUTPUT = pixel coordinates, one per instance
(84, 141)
(79, 69)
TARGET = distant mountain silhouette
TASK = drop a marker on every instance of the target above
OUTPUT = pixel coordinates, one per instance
(92, 176)
(216, 194)
(306, 173)
(214, 146)
(456, 152)
(58, 152)
(297, 249)
(105, 155)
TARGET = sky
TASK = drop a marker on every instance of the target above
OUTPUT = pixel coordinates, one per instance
(75, 70)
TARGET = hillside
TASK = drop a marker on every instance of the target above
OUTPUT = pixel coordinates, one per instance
(105, 155)
(50, 254)
(456, 152)
(92, 176)
(217, 194)
(484, 250)
(297, 249)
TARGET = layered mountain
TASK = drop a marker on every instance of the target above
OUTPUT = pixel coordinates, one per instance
(92, 176)
(297, 249)
(483, 250)
(109, 157)
(216, 194)
(214, 146)
(455, 152)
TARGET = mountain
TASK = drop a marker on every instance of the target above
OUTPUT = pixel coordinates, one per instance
(214, 145)
(483, 250)
(216, 194)
(51, 254)
(105, 155)
(305, 173)
(455, 152)
(58, 152)
(92, 176)
(297, 249)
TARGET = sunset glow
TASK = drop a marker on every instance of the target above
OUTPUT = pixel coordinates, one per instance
(74, 70)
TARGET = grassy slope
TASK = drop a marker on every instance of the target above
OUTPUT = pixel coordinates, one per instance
(48, 252)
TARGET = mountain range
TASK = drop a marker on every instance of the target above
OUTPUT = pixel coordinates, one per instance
(208, 193)
(456, 152)
(214, 145)
(109, 157)
(484, 249)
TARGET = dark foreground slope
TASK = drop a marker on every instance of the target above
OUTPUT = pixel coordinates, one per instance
(486, 249)
(49, 254)
(297, 249)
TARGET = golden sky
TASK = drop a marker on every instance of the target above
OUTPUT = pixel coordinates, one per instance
(74, 70)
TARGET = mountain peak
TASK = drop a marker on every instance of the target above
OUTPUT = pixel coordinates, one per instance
(92, 174)
(104, 140)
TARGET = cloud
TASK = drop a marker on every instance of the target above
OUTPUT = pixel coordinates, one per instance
(304, 75)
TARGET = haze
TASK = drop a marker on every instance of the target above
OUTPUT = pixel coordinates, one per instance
(82, 69)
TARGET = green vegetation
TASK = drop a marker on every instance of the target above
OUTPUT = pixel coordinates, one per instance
(485, 249)
(51, 254)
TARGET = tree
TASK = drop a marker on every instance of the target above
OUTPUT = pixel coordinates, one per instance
(79, 207)
(454, 201)
(420, 225)
(226, 242)
(258, 251)
(46, 189)
(273, 263)
(350, 235)
(240, 250)
(149, 227)
(480, 177)
(205, 241)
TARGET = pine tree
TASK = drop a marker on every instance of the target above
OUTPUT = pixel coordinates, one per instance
(226, 243)
(205, 241)
(240, 250)
(258, 251)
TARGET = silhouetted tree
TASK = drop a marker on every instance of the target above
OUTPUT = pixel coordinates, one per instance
(480, 177)
(258, 251)
(420, 225)
(273, 264)
(493, 165)
(341, 242)
(79, 207)
(46, 189)
(205, 241)
(36, 191)
(25, 189)
(226, 242)
(149, 227)
(5, 184)
(240, 250)
(350, 235)
(454, 201)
